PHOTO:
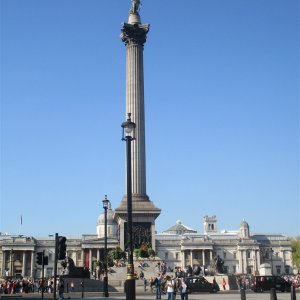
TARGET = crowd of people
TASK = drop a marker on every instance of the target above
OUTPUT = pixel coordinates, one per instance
(20, 286)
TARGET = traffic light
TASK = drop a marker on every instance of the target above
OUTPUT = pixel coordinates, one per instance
(39, 258)
(45, 260)
(61, 247)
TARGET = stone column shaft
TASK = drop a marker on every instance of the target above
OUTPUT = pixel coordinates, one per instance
(191, 258)
(203, 257)
(90, 260)
(32, 264)
(135, 106)
(182, 259)
(24, 264)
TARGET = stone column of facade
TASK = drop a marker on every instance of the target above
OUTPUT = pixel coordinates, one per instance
(254, 261)
(98, 254)
(90, 260)
(3, 262)
(82, 258)
(203, 257)
(24, 264)
(32, 264)
(258, 259)
(182, 259)
(191, 258)
(210, 255)
(245, 260)
(240, 256)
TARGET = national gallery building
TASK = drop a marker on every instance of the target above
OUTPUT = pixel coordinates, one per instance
(179, 246)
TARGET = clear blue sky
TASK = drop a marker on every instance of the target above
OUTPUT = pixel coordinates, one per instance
(222, 113)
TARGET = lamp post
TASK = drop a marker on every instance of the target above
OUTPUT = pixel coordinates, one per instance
(128, 136)
(105, 278)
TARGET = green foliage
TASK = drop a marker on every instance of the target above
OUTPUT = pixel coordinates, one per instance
(115, 255)
(296, 251)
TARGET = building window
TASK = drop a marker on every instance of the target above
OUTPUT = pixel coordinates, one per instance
(196, 255)
(278, 270)
(233, 269)
(287, 270)
(224, 254)
(248, 254)
(225, 269)
(50, 256)
(166, 255)
(176, 256)
(79, 255)
(234, 255)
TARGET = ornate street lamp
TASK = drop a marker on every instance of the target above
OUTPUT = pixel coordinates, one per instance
(128, 136)
(105, 278)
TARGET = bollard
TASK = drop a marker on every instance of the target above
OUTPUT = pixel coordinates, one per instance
(293, 293)
(273, 295)
(243, 294)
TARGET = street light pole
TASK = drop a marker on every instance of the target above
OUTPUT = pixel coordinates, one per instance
(128, 136)
(105, 278)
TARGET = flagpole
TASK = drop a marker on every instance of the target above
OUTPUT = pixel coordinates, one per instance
(20, 226)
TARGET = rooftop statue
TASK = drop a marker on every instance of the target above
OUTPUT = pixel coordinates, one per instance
(135, 6)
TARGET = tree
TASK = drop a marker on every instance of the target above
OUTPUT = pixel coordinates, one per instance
(116, 255)
(296, 251)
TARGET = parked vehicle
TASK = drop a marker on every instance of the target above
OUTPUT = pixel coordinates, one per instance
(265, 283)
(200, 284)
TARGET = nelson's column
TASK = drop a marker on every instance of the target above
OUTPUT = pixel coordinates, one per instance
(144, 213)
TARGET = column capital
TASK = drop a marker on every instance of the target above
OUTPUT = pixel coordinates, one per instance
(134, 33)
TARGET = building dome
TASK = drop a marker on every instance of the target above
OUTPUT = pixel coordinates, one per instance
(244, 224)
(244, 230)
(110, 217)
(112, 226)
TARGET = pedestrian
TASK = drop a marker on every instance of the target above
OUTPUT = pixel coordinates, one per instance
(183, 289)
(61, 287)
(224, 283)
(145, 284)
(170, 288)
(157, 282)
(72, 286)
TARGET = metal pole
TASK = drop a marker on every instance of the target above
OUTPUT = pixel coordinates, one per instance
(273, 295)
(55, 266)
(105, 278)
(293, 292)
(82, 288)
(130, 282)
(43, 274)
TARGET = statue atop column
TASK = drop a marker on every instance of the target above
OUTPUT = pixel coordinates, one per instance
(135, 6)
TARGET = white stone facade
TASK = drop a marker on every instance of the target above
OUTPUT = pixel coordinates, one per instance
(242, 253)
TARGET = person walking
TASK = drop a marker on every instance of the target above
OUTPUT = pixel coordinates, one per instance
(61, 287)
(183, 289)
(224, 283)
(170, 288)
(72, 286)
(157, 282)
